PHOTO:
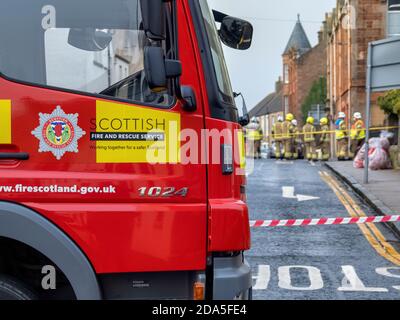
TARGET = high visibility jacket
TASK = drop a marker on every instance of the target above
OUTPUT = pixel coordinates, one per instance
(308, 131)
(287, 130)
(296, 135)
(277, 131)
(254, 134)
(341, 129)
(325, 136)
(357, 130)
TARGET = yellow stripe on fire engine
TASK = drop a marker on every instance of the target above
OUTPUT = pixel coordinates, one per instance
(5, 121)
(242, 149)
(133, 134)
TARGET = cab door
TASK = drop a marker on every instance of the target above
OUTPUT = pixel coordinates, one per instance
(88, 145)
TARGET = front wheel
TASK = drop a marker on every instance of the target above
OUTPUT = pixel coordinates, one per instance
(13, 289)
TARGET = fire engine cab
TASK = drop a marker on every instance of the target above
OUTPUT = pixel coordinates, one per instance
(122, 172)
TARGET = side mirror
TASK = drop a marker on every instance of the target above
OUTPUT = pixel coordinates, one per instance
(244, 120)
(153, 16)
(89, 39)
(236, 33)
(158, 69)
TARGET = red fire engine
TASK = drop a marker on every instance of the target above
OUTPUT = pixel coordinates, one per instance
(97, 197)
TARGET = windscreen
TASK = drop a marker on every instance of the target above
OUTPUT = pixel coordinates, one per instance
(79, 45)
(221, 70)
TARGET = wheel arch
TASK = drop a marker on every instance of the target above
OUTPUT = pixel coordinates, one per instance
(27, 226)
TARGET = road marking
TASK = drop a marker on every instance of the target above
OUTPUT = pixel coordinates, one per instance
(385, 272)
(280, 162)
(351, 282)
(303, 198)
(288, 193)
(370, 231)
(314, 275)
(263, 277)
(374, 231)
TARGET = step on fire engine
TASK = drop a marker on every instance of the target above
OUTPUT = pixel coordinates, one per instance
(97, 198)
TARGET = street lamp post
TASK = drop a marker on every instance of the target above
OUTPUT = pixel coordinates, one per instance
(368, 113)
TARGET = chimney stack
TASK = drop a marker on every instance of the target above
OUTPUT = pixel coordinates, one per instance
(278, 85)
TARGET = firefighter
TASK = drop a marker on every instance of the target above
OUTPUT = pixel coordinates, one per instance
(325, 139)
(258, 140)
(296, 140)
(254, 138)
(309, 139)
(277, 136)
(342, 137)
(287, 133)
(357, 135)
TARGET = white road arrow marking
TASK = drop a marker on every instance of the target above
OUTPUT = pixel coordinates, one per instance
(301, 198)
(288, 193)
(284, 162)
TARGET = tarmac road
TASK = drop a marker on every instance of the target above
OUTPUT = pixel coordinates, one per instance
(316, 262)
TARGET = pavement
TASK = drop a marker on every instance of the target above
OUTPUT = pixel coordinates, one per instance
(316, 262)
(382, 192)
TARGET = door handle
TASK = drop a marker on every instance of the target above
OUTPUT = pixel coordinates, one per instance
(14, 156)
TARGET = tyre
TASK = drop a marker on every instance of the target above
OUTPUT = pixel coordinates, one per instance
(13, 289)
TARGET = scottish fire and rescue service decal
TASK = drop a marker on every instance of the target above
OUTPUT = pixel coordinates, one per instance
(133, 134)
(58, 132)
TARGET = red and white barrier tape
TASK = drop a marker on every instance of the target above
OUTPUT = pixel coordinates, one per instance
(322, 221)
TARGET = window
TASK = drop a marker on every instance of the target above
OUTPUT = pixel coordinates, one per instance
(286, 99)
(217, 53)
(88, 46)
(393, 18)
(286, 73)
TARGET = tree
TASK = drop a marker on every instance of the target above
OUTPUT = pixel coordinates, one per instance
(390, 104)
(316, 95)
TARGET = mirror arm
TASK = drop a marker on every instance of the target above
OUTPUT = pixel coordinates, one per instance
(153, 16)
(173, 68)
(187, 96)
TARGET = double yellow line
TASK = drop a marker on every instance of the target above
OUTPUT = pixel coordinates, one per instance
(370, 231)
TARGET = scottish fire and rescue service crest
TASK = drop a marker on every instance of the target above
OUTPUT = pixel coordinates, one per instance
(58, 132)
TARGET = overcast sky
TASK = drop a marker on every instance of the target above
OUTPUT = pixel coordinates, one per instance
(254, 72)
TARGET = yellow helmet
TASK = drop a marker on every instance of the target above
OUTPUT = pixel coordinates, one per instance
(289, 117)
(324, 121)
(310, 120)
